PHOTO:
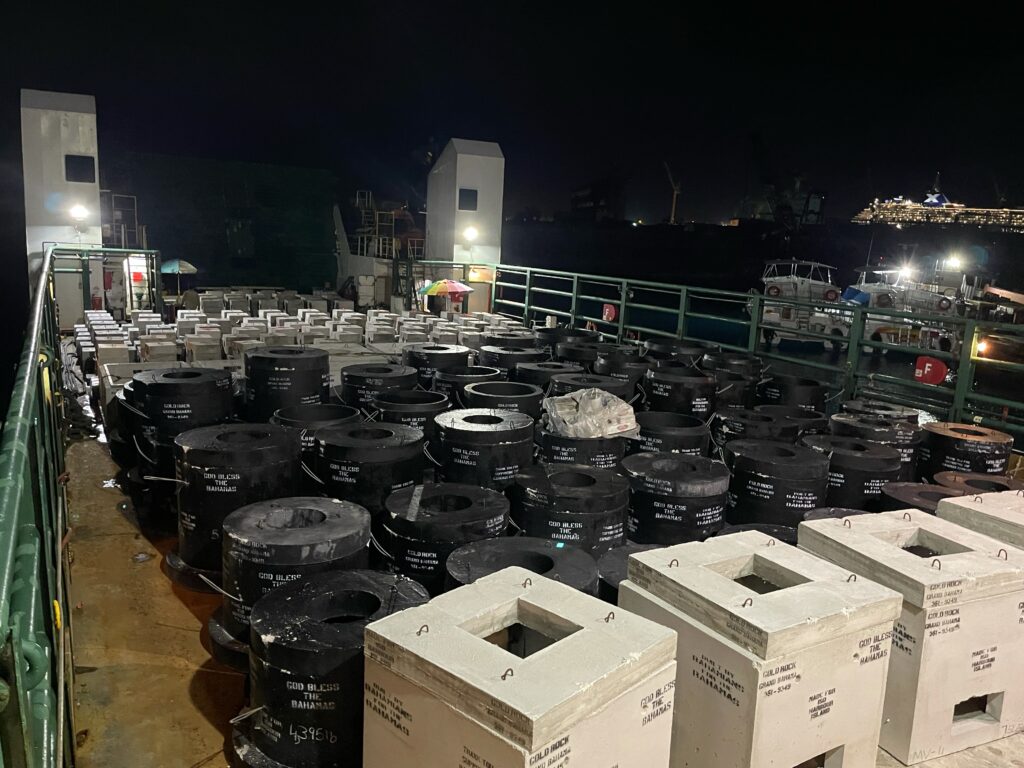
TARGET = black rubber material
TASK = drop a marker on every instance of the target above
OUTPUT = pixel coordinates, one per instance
(627, 369)
(176, 400)
(691, 392)
(362, 382)
(553, 559)
(304, 421)
(689, 352)
(307, 667)
(279, 377)
(601, 452)
(901, 435)
(539, 374)
(579, 505)
(674, 498)
(411, 407)
(896, 496)
(482, 446)
(857, 470)
(365, 463)
(963, 448)
(976, 482)
(548, 337)
(521, 339)
(565, 383)
(272, 542)
(733, 361)
(774, 482)
(429, 357)
(784, 533)
(613, 568)
(828, 513)
(506, 359)
(743, 423)
(452, 382)
(782, 389)
(882, 410)
(735, 390)
(580, 352)
(505, 396)
(225, 467)
(426, 523)
(810, 422)
(671, 432)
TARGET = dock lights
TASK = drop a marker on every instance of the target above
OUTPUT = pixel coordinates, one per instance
(470, 233)
(953, 262)
(906, 272)
(982, 347)
(79, 212)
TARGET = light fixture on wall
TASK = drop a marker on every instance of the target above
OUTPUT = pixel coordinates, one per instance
(470, 233)
(79, 212)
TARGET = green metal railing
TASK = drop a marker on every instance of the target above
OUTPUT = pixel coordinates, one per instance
(34, 715)
(641, 309)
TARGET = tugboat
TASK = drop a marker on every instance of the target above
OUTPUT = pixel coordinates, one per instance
(809, 281)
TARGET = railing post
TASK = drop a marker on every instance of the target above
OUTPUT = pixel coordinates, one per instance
(755, 322)
(681, 319)
(623, 291)
(526, 297)
(965, 370)
(853, 350)
(572, 303)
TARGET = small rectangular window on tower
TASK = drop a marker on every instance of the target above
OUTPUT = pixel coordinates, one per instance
(467, 199)
(80, 168)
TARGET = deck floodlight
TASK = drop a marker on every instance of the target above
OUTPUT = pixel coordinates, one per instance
(470, 233)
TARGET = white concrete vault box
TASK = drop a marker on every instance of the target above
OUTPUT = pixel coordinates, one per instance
(588, 683)
(783, 656)
(999, 515)
(955, 673)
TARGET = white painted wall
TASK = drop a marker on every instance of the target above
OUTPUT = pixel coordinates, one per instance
(54, 125)
(468, 164)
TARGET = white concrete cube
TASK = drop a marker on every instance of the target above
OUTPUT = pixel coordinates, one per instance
(999, 515)
(783, 657)
(955, 673)
(517, 671)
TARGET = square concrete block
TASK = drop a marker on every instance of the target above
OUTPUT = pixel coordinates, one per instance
(999, 515)
(955, 673)
(153, 351)
(517, 671)
(782, 657)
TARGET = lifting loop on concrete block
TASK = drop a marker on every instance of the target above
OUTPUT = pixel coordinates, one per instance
(673, 563)
(508, 673)
(847, 523)
(937, 563)
(851, 577)
(977, 498)
(1003, 554)
(906, 516)
(527, 582)
(609, 617)
(748, 602)
(770, 543)
(425, 629)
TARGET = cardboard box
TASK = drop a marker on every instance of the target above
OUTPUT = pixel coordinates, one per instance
(447, 683)
(783, 661)
(955, 673)
(999, 515)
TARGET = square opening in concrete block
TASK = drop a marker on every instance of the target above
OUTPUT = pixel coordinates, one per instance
(831, 759)
(759, 574)
(524, 631)
(985, 710)
(925, 543)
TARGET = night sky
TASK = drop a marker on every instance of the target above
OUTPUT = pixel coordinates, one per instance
(862, 104)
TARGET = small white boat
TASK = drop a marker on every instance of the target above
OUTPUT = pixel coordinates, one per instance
(809, 281)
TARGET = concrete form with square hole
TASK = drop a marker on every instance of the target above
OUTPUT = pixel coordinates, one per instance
(518, 671)
(999, 515)
(783, 656)
(955, 673)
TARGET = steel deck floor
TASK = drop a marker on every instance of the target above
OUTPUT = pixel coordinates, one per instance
(147, 691)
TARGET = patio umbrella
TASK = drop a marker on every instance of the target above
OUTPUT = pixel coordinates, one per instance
(453, 289)
(178, 267)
